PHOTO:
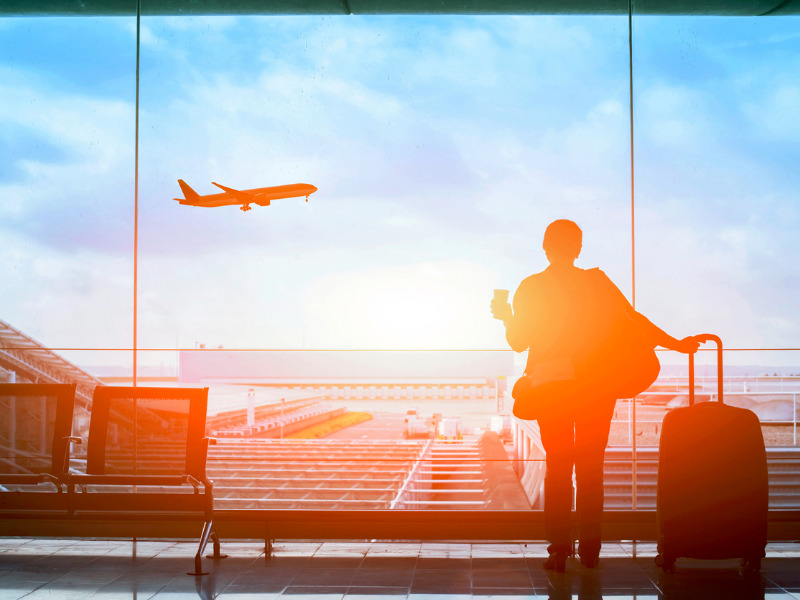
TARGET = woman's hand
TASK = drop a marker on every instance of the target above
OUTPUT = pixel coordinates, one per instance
(687, 345)
(502, 311)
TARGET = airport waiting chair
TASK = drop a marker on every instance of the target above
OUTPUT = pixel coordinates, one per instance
(146, 459)
(35, 436)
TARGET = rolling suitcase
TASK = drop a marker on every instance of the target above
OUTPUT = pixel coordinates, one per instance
(712, 494)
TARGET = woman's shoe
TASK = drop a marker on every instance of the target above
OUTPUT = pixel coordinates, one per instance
(591, 561)
(557, 562)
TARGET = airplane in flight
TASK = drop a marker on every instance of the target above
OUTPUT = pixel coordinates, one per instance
(229, 196)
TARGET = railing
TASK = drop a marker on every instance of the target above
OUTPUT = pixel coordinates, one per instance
(527, 453)
(529, 459)
(735, 398)
(783, 466)
(413, 482)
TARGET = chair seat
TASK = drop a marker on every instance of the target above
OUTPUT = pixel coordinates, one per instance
(168, 480)
(22, 478)
(157, 502)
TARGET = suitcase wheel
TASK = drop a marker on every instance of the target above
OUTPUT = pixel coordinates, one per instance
(750, 565)
(666, 562)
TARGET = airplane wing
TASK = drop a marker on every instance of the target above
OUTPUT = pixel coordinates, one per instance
(243, 195)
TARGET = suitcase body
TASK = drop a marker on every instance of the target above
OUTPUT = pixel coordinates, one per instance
(712, 482)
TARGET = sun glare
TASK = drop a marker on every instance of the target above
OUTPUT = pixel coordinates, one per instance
(407, 317)
(424, 306)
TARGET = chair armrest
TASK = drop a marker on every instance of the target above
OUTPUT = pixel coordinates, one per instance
(196, 483)
(70, 439)
(50, 478)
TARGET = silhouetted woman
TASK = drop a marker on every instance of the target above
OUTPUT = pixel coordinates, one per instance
(555, 318)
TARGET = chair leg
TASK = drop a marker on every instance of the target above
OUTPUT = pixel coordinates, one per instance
(267, 548)
(267, 541)
(215, 540)
(208, 527)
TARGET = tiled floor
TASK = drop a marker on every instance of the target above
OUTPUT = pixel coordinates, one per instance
(67, 569)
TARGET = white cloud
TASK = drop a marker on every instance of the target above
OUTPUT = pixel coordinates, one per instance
(66, 299)
(778, 114)
(428, 305)
(673, 116)
(78, 199)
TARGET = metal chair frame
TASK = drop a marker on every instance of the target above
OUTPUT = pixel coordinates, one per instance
(129, 504)
(28, 501)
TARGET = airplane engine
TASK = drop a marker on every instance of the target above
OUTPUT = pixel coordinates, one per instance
(262, 202)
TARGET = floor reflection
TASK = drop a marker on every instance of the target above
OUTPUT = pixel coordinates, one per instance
(615, 581)
(103, 569)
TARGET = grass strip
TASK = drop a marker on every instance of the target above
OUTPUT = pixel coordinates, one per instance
(337, 423)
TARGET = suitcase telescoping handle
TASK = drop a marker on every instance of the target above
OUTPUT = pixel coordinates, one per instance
(702, 339)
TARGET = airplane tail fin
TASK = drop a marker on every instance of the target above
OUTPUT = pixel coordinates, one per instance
(188, 192)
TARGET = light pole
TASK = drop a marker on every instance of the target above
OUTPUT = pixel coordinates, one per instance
(283, 400)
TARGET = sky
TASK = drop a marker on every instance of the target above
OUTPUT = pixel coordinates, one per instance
(441, 147)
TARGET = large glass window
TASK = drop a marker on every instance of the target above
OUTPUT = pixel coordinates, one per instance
(441, 147)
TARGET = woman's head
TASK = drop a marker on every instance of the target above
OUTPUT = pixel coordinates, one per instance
(563, 240)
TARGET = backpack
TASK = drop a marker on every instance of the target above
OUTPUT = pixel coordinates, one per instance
(615, 358)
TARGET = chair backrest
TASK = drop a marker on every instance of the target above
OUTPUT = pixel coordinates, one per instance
(35, 422)
(147, 431)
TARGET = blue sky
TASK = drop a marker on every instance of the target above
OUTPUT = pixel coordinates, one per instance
(441, 147)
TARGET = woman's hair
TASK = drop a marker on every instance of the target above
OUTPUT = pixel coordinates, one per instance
(563, 237)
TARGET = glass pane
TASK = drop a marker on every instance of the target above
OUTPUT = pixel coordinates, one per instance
(67, 149)
(26, 433)
(716, 149)
(147, 436)
(441, 148)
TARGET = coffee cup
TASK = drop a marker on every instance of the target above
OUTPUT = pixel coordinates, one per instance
(501, 296)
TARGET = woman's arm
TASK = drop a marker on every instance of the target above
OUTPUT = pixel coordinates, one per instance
(687, 345)
(516, 320)
(661, 338)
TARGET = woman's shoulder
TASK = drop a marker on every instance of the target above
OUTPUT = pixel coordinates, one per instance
(597, 274)
(534, 281)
